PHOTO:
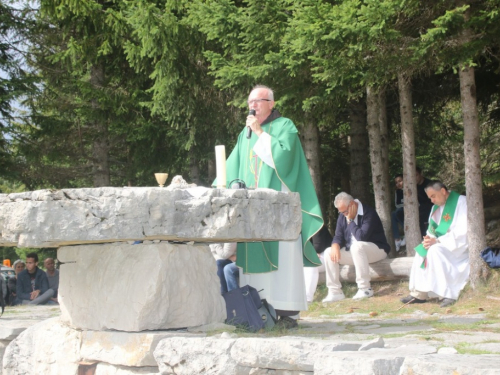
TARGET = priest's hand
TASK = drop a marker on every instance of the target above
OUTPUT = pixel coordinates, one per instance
(335, 253)
(429, 241)
(254, 124)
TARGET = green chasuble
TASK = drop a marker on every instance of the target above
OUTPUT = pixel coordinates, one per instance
(292, 171)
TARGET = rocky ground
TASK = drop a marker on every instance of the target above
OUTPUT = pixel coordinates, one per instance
(354, 343)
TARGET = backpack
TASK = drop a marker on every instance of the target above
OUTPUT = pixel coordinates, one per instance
(246, 310)
(491, 256)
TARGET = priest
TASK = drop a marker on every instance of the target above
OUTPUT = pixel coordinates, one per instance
(269, 155)
(441, 264)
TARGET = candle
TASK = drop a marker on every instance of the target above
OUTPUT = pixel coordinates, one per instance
(220, 162)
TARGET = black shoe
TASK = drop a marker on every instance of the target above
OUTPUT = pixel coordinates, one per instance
(285, 322)
(447, 302)
(410, 300)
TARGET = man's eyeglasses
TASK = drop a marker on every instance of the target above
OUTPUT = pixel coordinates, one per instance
(250, 102)
(346, 211)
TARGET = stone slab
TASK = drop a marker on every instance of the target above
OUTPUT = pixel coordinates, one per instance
(446, 364)
(139, 287)
(124, 348)
(53, 218)
(371, 362)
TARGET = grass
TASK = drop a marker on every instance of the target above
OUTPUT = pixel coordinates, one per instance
(386, 304)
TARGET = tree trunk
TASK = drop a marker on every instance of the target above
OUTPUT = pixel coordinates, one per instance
(360, 162)
(412, 226)
(384, 153)
(310, 143)
(380, 167)
(476, 233)
(100, 145)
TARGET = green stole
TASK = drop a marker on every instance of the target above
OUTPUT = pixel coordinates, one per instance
(444, 224)
(291, 170)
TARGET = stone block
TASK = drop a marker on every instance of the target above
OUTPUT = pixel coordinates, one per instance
(128, 349)
(445, 364)
(249, 355)
(53, 218)
(48, 347)
(139, 287)
(188, 356)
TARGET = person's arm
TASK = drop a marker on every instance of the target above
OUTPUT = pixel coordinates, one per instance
(44, 283)
(22, 294)
(339, 238)
(364, 231)
(228, 250)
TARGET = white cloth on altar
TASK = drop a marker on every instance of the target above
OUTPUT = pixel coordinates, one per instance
(284, 288)
(448, 265)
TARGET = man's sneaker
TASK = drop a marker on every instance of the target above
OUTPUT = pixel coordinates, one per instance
(333, 297)
(398, 244)
(410, 300)
(403, 242)
(363, 293)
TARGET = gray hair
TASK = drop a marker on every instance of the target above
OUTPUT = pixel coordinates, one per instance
(342, 198)
(270, 92)
(17, 262)
(435, 185)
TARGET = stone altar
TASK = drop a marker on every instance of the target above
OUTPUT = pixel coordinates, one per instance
(169, 279)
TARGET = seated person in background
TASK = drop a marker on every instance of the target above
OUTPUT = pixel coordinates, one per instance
(424, 203)
(18, 266)
(398, 215)
(441, 264)
(359, 240)
(225, 255)
(53, 276)
(32, 283)
(321, 241)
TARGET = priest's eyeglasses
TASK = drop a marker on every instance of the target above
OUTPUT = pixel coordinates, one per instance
(250, 102)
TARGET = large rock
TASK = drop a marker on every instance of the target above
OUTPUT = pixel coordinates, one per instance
(53, 218)
(125, 349)
(139, 287)
(45, 348)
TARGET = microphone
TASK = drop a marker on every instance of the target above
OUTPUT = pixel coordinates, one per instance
(249, 129)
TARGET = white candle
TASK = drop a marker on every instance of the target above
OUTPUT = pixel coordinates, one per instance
(220, 162)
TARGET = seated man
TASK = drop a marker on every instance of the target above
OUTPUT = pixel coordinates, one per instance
(441, 264)
(225, 256)
(398, 215)
(32, 284)
(53, 276)
(361, 235)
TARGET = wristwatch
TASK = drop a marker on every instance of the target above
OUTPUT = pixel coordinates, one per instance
(348, 220)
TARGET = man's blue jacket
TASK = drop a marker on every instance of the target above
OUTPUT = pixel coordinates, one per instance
(23, 287)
